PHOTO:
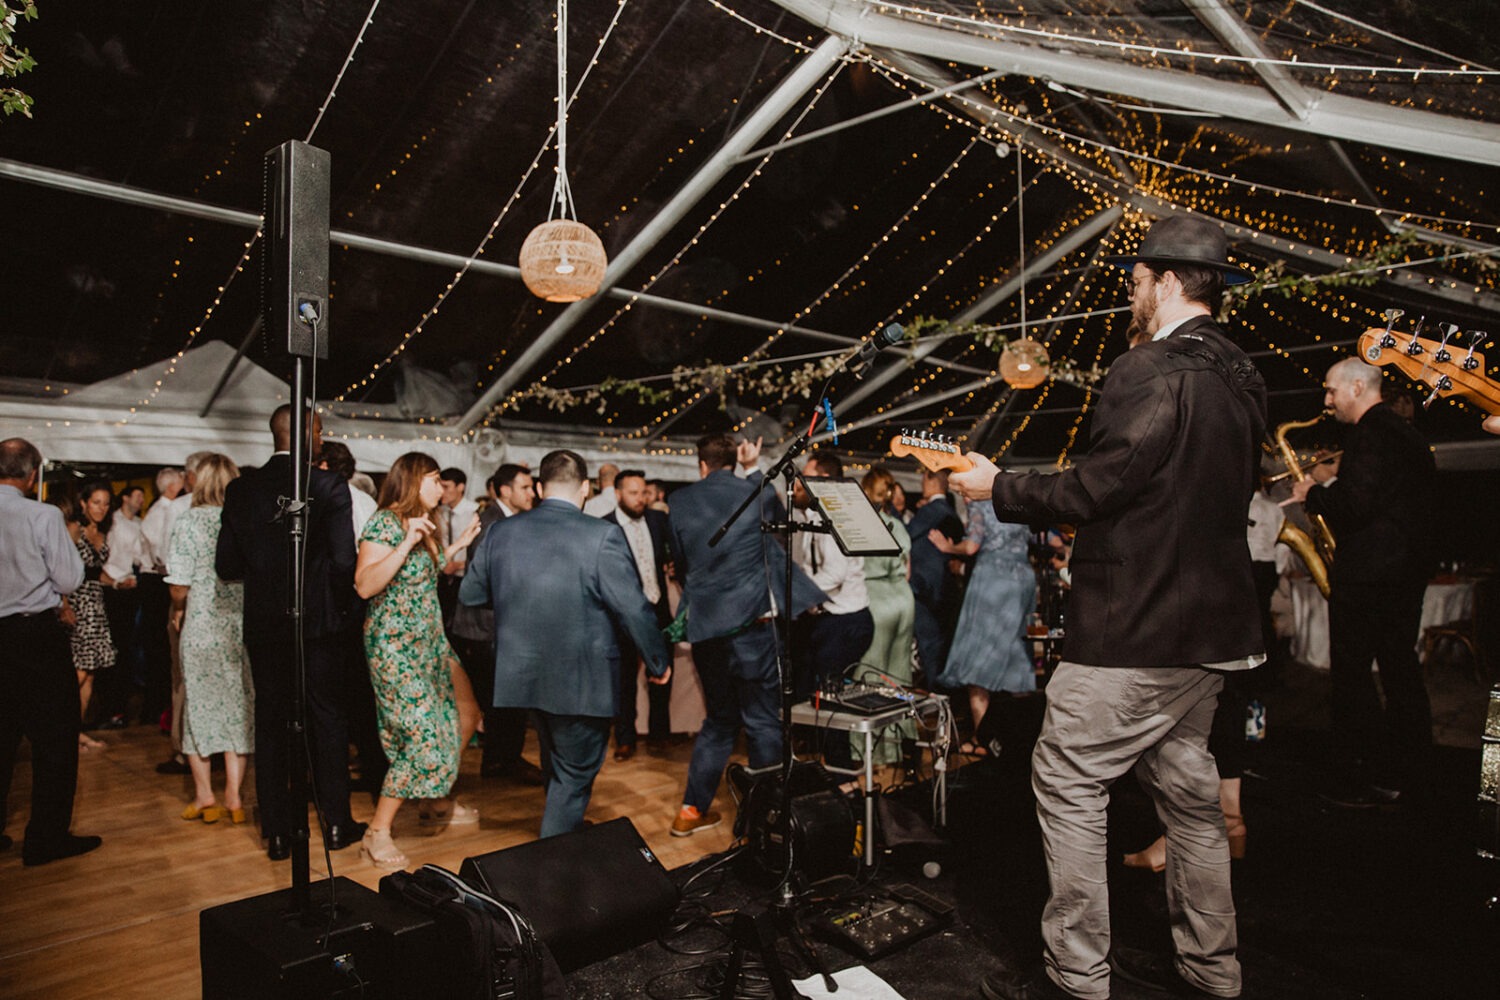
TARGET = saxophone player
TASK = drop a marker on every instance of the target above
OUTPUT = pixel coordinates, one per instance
(1377, 507)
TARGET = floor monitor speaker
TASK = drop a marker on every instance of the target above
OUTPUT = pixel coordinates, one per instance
(374, 948)
(590, 894)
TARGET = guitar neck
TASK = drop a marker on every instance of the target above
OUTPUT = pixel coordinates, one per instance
(936, 454)
(1445, 368)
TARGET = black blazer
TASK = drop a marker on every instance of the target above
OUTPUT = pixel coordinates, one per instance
(253, 548)
(1377, 508)
(661, 554)
(1161, 568)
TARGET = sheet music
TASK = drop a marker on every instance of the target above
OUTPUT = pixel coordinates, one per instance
(857, 526)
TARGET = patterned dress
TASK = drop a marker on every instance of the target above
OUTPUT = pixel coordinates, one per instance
(93, 649)
(219, 711)
(894, 609)
(989, 647)
(411, 668)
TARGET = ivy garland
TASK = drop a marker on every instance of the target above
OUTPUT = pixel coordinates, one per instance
(770, 378)
(13, 60)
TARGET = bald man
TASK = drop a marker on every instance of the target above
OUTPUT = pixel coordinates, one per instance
(1377, 508)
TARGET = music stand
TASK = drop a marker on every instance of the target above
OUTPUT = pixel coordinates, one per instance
(852, 519)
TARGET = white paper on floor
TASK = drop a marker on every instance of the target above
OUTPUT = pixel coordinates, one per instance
(855, 983)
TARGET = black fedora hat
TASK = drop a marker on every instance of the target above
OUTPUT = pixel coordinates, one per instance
(1185, 239)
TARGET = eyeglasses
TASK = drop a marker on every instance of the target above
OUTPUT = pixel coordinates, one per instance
(1133, 284)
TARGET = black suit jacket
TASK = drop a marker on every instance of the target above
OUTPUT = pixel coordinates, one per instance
(661, 554)
(1161, 568)
(253, 548)
(1377, 507)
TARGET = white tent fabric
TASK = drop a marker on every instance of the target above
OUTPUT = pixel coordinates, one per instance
(120, 421)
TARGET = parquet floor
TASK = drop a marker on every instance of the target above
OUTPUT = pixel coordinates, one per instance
(122, 922)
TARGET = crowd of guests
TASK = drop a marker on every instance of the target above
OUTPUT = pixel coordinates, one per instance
(430, 616)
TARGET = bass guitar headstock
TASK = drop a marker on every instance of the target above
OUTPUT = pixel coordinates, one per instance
(1451, 366)
(934, 451)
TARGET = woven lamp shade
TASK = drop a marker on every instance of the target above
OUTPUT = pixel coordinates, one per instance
(563, 261)
(1024, 363)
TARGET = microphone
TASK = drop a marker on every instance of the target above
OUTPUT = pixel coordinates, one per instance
(865, 355)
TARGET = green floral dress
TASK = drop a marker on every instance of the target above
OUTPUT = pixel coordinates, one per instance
(411, 667)
(219, 711)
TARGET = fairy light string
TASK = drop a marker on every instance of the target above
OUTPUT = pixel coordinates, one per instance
(478, 251)
(249, 247)
(692, 241)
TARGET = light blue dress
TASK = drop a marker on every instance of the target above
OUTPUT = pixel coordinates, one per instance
(989, 646)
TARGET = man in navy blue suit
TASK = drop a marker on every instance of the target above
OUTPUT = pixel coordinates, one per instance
(646, 530)
(931, 583)
(561, 584)
(730, 618)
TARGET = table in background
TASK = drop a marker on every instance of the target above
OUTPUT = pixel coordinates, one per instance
(804, 714)
(1442, 603)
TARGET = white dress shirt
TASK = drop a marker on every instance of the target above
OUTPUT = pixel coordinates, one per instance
(601, 505)
(839, 576)
(639, 537)
(124, 546)
(155, 534)
(363, 507)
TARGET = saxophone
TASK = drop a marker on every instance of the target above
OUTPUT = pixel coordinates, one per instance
(1315, 550)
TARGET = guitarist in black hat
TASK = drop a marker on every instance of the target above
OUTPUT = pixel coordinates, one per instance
(1163, 601)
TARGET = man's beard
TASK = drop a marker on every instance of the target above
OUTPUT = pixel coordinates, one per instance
(1143, 311)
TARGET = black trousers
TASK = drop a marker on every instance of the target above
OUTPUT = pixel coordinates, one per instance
(658, 701)
(273, 666)
(39, 700)
(364, 723)
(1374, 622)
(112, 688)
(504, 728)
(156, 649)
(825, 646)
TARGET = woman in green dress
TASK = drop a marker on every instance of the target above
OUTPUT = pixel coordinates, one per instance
(411, 664)
(219, 707)
(887, 578)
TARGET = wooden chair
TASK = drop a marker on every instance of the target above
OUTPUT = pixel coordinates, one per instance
(1462, 632)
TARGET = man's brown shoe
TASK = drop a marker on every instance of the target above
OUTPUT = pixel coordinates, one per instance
(689, 822)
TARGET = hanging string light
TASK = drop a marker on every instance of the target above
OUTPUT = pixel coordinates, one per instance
(562, 260)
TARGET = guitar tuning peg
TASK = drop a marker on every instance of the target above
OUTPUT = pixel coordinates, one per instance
(1441, 355)
(1442, 385)
(1475, 339)
(1391, 315)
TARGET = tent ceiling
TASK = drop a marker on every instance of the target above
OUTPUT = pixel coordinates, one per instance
(438, 127)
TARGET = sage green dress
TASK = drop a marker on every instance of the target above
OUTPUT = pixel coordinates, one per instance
(894, 610)
(218, 712)
(411, 668)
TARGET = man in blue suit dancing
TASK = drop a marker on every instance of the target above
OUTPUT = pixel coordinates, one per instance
(730, 618)
(560, 583)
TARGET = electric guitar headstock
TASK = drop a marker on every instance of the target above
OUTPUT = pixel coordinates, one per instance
(935, 451)
(1451, 366)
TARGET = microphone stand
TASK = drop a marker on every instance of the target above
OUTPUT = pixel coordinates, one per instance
(294, 513)
(754, 931)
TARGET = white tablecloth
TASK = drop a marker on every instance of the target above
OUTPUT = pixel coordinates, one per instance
(1443, 603)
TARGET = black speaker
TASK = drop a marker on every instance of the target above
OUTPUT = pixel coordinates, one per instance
(374, 947)
(590, 894)
(294, 256)
(819, 817)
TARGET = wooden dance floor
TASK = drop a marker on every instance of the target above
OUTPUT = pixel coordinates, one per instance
(122, 922)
